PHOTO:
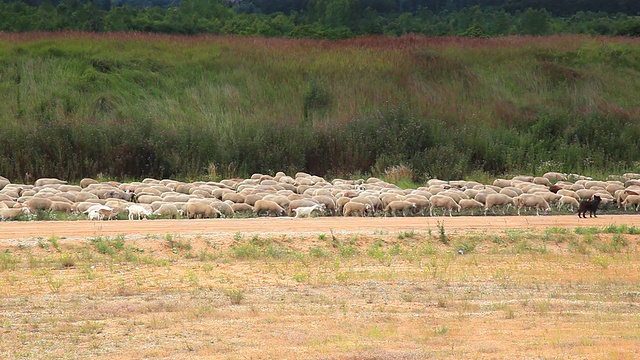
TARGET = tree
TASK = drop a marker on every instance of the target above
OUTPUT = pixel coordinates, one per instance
(534, 22)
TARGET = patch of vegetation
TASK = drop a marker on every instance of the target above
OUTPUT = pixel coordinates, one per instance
(95, 104)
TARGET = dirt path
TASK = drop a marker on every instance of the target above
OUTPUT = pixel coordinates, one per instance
(74, 229)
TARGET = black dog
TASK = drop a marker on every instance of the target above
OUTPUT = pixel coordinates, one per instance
(589, 205)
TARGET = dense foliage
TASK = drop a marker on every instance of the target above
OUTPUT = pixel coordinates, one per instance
(326, 19)
(79, 104)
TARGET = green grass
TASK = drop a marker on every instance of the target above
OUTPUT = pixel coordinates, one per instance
(166, 106)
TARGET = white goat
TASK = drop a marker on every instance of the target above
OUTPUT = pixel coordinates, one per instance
(307, 210)
(138, 210)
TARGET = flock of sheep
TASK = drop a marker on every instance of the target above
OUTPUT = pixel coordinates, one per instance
(304, 195)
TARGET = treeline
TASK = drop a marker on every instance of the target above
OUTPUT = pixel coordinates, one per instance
(325, 19)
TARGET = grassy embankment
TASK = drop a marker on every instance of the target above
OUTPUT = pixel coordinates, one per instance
(136, 105)
(513, 294)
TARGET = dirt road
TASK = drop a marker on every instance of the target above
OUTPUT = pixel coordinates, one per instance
(74, 229)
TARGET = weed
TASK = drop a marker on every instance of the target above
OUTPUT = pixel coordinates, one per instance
(235, 296)
(53, 283)
(67, 261)
(318, 252)
(54, 241)
(441, 330)
(406, 235)
(618, 242)
(579, 247)
(301, 277)
(442, 233)
(602, 261)
(8, 261)
(90, 327)
(406, 297)
(245, 252)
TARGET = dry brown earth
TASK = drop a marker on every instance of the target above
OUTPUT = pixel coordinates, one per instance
(384, 288)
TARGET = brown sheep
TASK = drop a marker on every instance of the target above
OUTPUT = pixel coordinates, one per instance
(201, 210)
(355, 209)
(269, 207)
(405, 207)
(35, 204)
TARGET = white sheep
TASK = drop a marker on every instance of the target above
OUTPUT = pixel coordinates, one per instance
(570, 201)
(470, 204)
(493, 200)
(167, 210)
(631, 200)
(305, 211)
(531, 200)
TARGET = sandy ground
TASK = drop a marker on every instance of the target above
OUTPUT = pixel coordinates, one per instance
(274, 288)
(73, 229)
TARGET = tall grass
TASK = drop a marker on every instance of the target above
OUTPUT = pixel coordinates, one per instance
(134, 105)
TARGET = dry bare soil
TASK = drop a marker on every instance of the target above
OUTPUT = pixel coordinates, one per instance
(322, 288)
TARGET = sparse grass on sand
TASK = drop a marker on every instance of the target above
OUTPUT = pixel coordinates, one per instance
(382, 295)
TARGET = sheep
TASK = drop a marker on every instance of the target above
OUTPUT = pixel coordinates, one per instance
(148, 199)
(571, 202)
(555, 176)
(502, 183)
(281, 200)
(235, 197)
(585, 194)
(470, 204)
(355, 209)
(241, 207)
(305, 211)
(252, 198)
(328, 201)
(268, 207)
(405, 207)
(531, 200)
(35, 204)
(223, 208)
(87, 181)
(11, 214)
(631, 200)
(170, 210)
(497, 200)
(340, 204)
(421, 202)
(84, 196)
(97, 207)
(60, 206)
(366, 201)
(48, 181)
(442, 201)
(138, 210)
(539, 180)
(299, 203)
(101, 214)
(201, 210)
